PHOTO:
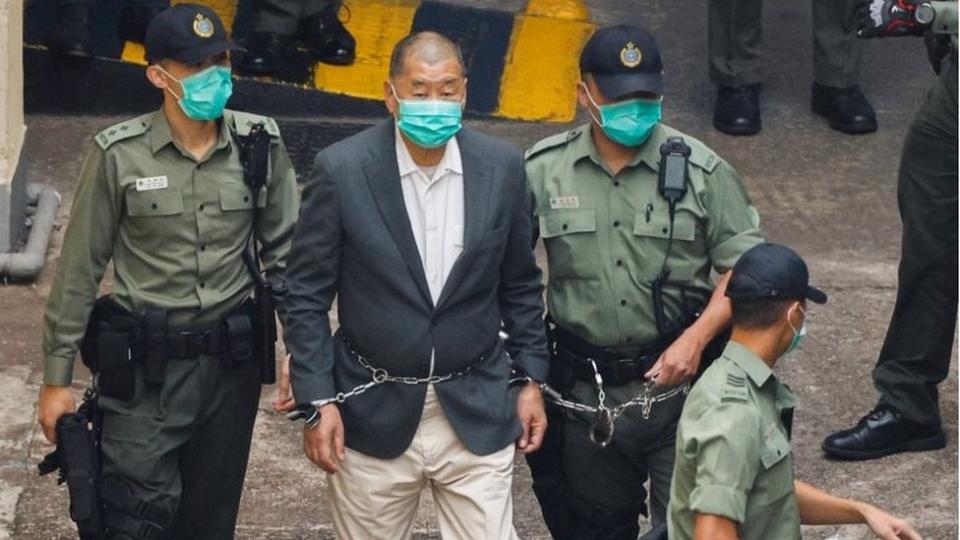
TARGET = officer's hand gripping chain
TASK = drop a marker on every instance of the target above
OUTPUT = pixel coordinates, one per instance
(602, 428)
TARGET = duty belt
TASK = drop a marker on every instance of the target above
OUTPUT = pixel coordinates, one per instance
(616, 368)
(189, 342)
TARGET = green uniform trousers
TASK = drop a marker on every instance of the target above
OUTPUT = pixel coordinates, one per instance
(591, 493)
(735, 42)
(282, 17)
(183, 447)
(916, 352)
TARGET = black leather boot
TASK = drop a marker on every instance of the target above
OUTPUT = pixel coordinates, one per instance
(847, 109)
(265, 54)
(737, 110)
(327, 39)
(883, 432)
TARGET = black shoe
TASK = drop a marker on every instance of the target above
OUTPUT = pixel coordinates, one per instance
(70, 30)
(737, 111)
(883, 432)
(327, 39)
(847, 109)
(267, 53)
(135, 19)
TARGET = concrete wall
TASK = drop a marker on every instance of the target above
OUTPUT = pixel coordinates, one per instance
(12, 128)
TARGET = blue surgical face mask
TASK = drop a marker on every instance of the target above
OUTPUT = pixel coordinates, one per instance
(798, 335)
(205, 93)
(429, 123)
(630, 122)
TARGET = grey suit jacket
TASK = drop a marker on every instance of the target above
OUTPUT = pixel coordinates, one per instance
(354, 242)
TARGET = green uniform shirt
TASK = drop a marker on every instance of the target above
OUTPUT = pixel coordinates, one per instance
(174, 227)
(606, 234)
(733, 452)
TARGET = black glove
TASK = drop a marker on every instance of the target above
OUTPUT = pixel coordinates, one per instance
(883, 18)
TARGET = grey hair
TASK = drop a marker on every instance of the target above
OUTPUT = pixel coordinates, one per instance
(430, 47)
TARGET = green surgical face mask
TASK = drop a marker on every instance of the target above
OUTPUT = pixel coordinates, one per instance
(798, 335)
(205, 93)
(630, 122)
(429, 123)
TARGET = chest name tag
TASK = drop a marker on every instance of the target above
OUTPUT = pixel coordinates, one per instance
(557, 203)
(151, 183)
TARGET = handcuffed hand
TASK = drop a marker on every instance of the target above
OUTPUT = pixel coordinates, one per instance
(533, 418)
(324, 442)
(889, 18)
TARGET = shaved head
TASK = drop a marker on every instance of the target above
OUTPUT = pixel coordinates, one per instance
(428, 47)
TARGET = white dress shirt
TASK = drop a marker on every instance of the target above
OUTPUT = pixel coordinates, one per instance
(434, 202)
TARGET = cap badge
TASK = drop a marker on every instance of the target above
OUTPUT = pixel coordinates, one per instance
(630, 55)
(202, 26)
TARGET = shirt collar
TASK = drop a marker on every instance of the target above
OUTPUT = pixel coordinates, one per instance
(450, 162)
(160, 134)
(649, 153)
(755, 368)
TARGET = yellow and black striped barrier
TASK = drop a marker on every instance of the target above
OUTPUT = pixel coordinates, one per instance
(519, 65)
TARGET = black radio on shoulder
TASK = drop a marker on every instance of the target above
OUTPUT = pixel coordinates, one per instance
(674, 154)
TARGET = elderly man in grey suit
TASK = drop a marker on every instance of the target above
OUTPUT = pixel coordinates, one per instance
(422, 231)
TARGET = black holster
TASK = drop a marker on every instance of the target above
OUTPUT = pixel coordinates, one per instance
(77, 458)
(265, 332)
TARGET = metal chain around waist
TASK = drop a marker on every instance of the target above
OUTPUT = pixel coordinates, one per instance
(380, 376)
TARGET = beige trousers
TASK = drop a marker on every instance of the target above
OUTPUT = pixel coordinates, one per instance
(377, 499)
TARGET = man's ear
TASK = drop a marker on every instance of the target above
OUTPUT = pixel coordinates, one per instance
(156, 77)
(390, 98)
(794, 308)
(582, 95)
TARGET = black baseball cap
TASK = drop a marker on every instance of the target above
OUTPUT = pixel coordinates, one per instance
(187, 33)
(772, 271)
(623, 59)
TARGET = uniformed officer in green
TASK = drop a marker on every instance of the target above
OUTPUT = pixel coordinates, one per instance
(163, 197)
(629, 286)
(734, 475)
(916, 352)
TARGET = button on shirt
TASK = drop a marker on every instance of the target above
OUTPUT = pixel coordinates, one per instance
(733, 456)
(434, 204)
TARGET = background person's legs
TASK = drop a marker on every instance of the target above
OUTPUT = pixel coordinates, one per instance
(837, 58)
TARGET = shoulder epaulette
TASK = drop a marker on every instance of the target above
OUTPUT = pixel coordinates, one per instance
(703, 157)
(243, 121)
(700, 155)
(735, 388)
(123, 130)
(552, 141)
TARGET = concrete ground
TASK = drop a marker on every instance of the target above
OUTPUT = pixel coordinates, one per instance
(831, 196)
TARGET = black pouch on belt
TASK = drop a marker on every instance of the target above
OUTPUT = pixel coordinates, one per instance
(238, 331)
(115, 377)
(155, 352)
